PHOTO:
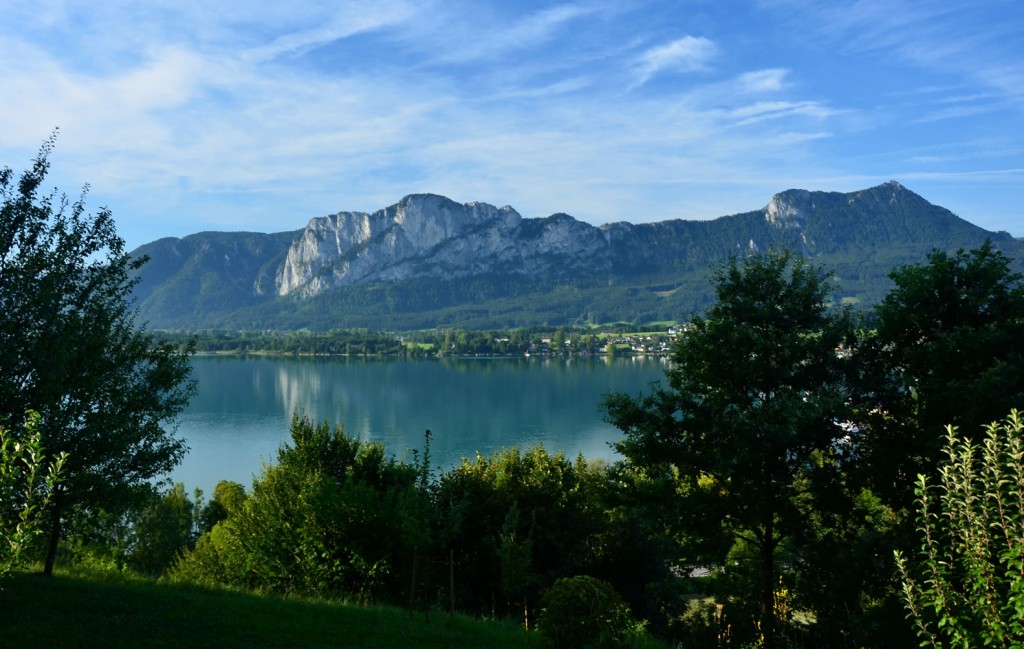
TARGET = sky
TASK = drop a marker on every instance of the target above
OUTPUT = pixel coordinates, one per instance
(187, 116)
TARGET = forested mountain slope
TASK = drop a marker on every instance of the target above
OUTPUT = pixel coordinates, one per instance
(428, 261)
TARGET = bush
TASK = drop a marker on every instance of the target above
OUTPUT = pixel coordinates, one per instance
(334, 517)
(702, 624)
(583, 611)
(26, 486)
(516, 522)
(968, 589)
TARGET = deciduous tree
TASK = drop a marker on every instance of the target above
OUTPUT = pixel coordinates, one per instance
(949, 351)
(335, 516)
(106, 392)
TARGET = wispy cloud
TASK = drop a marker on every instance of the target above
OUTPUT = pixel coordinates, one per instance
(979, 40)
(541, 26)
(763, 111)
(197, 115)
(956, 112)
(686, 54)
(355, 19)
(453, 36)
(562, 87)
(758, 81)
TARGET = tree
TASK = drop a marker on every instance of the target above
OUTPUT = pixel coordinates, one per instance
(335, 516)
(106, 392)
(967, 590)
(755, 392)
(227, 498)
(517, 521)
(581, 611)
(949, 350)
(25, 489)
(163, 529)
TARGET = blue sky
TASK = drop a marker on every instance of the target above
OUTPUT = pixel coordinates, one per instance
(188, 116)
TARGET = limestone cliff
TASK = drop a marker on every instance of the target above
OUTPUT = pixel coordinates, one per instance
(427, 260)
(431, 236)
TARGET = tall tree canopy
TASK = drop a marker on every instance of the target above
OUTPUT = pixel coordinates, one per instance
(105, 391)
(755, 392)
(948, 351)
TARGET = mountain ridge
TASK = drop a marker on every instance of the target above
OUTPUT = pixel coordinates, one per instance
(429, 261)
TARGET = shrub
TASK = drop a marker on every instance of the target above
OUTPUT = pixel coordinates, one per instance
(583, 611)
(26, 485)
(334, 517)
(968, 589)
(702, 624)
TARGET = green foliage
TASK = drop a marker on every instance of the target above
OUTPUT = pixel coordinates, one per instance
(949, 350)
(199, 275)
(161, 530)
(26, 485)
(227, 497)
(755, 391)
(543, 341)
(631, 273)
(105, 391)
(967, 590)
(702, 624)
(583, 612)
(143, 539)
(336, 342)
(334, 516)
(99, 540)
(516, 522)
(845, 571)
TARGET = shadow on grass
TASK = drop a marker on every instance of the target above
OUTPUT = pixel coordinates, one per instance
(110, 610)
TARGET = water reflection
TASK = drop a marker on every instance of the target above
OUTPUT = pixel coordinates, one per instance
(241, 414)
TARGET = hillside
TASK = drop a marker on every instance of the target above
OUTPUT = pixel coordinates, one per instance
(428, 261)
(104, 610)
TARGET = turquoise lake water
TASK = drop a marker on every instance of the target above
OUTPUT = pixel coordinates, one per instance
(244, 406)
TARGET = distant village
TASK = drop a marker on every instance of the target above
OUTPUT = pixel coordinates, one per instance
(560, 343)
(535, 342)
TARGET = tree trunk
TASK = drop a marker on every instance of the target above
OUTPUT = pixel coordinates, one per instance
(768, 586)
(54, 541)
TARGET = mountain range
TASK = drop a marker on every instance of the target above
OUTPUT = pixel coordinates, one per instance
(428, 261)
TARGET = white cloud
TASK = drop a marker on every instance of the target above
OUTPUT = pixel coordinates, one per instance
(542, 25)
(186, 110)
(763, 111)
(976, 43)
(770, 80)
(686, 54)
(956, 112)
(348, 21)
(562, 87)
(450, 34)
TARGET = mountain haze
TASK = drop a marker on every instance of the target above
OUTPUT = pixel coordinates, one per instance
(428, 261)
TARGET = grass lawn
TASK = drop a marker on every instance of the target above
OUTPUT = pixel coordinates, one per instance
(96, 610)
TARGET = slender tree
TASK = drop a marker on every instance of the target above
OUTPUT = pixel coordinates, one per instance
(754, 395)
(106, 392)
(25, 490)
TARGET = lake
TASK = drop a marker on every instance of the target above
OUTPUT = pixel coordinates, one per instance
(242, 412)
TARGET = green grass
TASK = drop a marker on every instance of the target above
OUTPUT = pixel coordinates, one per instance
(97, 610)
(414, 345)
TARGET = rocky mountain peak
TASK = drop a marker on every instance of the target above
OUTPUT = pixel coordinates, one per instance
(789, 209)
(415, 263)
(350, 247)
